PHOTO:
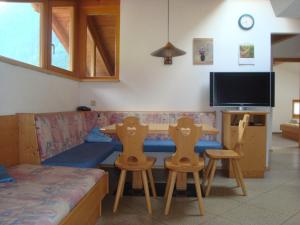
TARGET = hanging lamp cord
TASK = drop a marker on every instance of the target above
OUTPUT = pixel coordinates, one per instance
(168, 20)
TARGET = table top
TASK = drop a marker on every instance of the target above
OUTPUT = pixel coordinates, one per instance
(162, 128)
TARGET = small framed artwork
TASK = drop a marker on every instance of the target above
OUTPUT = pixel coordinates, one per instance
(246, 54)
(203, 51)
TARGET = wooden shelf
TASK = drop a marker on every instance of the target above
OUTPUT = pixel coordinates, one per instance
(254, 148)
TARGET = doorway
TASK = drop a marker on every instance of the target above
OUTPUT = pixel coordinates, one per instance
(286, 65)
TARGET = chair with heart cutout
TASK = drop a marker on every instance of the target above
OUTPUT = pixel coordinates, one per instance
(185, 160)
(132, 135)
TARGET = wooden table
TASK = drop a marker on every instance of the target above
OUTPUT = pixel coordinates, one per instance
(154, 128)
(162, 128)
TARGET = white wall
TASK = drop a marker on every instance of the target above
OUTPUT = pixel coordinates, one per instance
(287, 87)
(23, 90)
(147, 84)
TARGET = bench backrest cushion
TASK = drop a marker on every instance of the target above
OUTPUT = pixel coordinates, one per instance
(57, 132)
(111, 117)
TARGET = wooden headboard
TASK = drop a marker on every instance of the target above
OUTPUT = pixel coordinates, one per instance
(9, 140)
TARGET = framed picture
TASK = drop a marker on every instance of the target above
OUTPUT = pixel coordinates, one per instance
(246, 54)
(203, 51)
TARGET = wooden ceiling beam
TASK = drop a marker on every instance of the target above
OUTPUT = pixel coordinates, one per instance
(98, 41)
(277, 61)
(276, 38)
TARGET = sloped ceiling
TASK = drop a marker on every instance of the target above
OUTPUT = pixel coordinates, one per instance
(286, 8)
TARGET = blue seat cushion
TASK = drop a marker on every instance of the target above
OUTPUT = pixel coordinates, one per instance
(159, 145)
(202, 145)
(4, 176)
(86, 155)
(169, 146)
(96, 135)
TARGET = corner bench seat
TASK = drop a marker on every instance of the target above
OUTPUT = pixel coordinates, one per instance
(89, 155)
(46, 194)
(86, 155)
(58, 138)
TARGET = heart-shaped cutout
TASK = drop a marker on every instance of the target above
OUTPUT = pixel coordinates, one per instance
(185, 131)
(131, 130)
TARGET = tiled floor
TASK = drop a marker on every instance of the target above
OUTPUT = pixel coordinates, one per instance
(270, 201)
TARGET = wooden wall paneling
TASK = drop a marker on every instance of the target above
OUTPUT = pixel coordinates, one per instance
(97, 8)
(93, 3)
(9, 133)
(108, 65)
(28, 144)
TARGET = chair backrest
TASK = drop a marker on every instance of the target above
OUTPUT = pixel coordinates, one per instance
(243, 123)
(132, 135)
(185, 135)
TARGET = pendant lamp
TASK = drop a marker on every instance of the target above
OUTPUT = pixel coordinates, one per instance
(169, 50)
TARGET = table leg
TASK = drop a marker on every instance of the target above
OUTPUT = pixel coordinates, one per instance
(181, 181)
(137, 182)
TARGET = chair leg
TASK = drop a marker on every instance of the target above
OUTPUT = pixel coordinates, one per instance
(208, 170)
(168, 185)
(170, 192)
(146, 190)
(211, 177)
(240, 175)
(152, 184)
(199, 194)
(119, 190)
(235, 173)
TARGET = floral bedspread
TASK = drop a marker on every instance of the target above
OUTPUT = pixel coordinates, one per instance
(43, 195)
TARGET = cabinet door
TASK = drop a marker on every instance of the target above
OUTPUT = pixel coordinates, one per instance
(254, 149)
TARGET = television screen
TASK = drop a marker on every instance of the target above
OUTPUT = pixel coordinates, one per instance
(242, 89)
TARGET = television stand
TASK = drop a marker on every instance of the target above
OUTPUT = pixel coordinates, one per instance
(255, 141)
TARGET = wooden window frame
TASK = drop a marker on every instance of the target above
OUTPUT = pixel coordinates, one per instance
(72, 52)
(81, 7)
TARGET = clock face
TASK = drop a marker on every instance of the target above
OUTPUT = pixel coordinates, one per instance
(246, 22)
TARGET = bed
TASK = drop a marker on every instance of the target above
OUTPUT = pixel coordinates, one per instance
(82, 208)
(51, 195)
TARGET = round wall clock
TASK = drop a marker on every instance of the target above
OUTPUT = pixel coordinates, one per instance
(246, 22)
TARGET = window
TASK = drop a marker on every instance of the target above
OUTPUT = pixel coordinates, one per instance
(78, 39)
(296, 108)
(20, 31)
(62, 37)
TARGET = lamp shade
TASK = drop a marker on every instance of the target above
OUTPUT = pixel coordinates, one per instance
(169, 50)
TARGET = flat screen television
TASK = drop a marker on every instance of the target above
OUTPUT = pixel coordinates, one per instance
(242, 89)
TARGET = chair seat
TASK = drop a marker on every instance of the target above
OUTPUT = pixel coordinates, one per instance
(184, 167)
(135, 166)
(222, 154)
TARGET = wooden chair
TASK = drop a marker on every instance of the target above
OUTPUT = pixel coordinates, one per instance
(185, 159)
(232, 155)
(132, 135)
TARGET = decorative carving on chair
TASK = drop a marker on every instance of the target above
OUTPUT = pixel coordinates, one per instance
(185, 135)
(185, 131)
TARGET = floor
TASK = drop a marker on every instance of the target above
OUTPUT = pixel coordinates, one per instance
(270, 201)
